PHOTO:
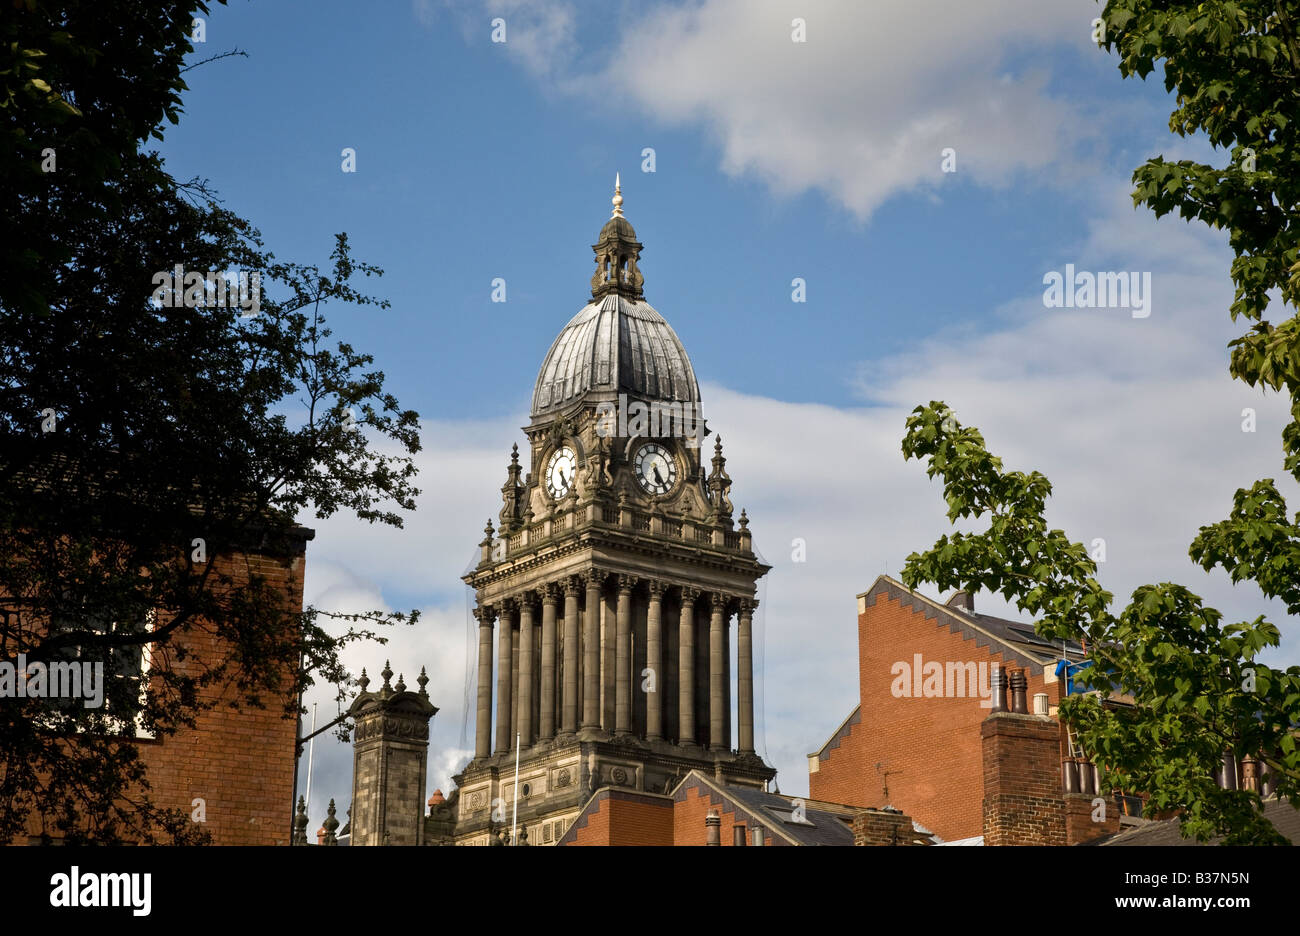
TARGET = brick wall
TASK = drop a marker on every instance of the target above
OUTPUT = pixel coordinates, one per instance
(1080, 826)
(930, 747)
(617, 818)
(882, 827)
(1023, 801)
(239, 761)
(695, 804)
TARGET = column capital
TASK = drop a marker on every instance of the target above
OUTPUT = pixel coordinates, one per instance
(593, 577)
(509, 605)
(572, 585)
(626, 583)
(748, 605)
(485, 615)
(550, 593)
(718, 602)
(689, 595)
(657, 589)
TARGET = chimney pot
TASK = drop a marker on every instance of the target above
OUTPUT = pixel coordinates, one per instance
(998, 684)
(962, 600)
(1019, 687)
(738, 835)
(713, 828)
(1070, 775)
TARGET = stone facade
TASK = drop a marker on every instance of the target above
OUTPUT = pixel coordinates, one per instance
(616, 598)
(390, 746)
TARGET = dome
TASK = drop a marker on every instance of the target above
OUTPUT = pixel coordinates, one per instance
(616, 344)
(617, 226)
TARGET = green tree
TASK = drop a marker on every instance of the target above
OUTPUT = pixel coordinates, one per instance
(137, 419)
(1194, 683)
(1190, 683)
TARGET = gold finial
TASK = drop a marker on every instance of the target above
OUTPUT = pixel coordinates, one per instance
(617, 199)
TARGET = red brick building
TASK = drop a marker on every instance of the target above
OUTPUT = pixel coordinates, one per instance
(702, 810)
(238, 760)
(234, 770)
(924, 673)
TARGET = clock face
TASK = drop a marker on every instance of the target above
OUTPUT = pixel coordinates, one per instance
(655, 468)
(559, 472)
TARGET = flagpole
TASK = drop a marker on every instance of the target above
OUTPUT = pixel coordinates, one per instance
(514, 817)
(311, 749)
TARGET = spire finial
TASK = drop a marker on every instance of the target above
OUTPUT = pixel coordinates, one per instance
(618, 198)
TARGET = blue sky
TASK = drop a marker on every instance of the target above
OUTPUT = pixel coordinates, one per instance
(774, 160)
(470, 168)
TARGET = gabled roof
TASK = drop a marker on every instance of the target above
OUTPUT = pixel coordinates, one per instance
(840, 733)
(825, 823)
(603, 795)
(1015, 640)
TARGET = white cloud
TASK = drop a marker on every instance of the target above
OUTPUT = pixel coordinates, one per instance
(540, 36)
(861, 111)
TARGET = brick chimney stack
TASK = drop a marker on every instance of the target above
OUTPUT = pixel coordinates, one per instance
(1025, 802)
(886, 826)
(962, 601)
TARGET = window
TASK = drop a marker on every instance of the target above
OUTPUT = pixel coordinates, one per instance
(111, 685)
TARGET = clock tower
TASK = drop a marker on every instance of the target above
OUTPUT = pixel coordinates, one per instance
(615, 594)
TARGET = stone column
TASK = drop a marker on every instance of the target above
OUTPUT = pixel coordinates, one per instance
(654, 711)
(623, 657)
(607, 660)
(550, 598)
(569, 706)
(717, 686)
(686, 668)
(524, 704)
(745, 674)
(591, 651)
(505, 675)
(486, 614)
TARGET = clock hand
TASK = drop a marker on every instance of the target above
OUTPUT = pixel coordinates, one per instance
(659, 479)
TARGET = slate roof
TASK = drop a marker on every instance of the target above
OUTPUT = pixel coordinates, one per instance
(1284, 816)
(826, 823)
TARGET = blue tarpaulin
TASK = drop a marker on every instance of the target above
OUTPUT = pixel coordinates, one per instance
(1068, 670)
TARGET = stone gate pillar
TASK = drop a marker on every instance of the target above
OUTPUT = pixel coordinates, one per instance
(390, 746)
